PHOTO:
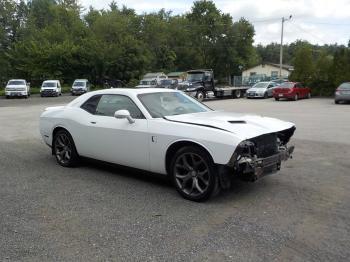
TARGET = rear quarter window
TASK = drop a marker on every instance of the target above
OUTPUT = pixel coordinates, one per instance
(91, 104)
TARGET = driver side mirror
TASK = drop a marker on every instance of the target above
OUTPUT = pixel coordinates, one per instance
(121, 114)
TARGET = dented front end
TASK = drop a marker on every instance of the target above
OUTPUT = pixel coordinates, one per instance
(261, 155)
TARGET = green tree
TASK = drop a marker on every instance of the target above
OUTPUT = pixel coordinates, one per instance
(304, 68)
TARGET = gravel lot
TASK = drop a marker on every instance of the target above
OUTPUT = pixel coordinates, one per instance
(103, 213)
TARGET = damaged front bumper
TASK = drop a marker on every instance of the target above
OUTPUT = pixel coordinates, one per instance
(253, 168)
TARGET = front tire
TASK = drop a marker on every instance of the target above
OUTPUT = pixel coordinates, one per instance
(266, 95)
(193, 173)
(200, 96)
(277, 98)
(296, 97)
(64, 149)
(237, 94)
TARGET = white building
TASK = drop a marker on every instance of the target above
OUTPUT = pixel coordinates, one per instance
(267, 70)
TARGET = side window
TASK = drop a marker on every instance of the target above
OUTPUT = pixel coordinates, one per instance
(91, 104)
(109, 104)
(301, 85)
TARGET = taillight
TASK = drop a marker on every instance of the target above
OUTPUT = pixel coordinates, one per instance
(337, 91)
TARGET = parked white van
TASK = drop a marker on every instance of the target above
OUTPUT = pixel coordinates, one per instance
(51, 88)
(80, 86)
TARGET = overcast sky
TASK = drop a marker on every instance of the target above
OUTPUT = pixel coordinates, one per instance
(318, 21)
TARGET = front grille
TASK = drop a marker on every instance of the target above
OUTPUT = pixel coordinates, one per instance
(15, 89)
(265, 145)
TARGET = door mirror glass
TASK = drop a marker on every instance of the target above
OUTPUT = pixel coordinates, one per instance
(121, 114)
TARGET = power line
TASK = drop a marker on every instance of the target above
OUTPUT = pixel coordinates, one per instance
(308, 32)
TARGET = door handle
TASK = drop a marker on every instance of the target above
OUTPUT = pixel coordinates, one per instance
(93, 122)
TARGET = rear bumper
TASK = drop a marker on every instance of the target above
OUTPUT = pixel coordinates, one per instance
(342, 97)
(284, 95)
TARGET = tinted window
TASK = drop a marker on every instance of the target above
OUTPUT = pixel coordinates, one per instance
(287, 85)
(91, 104)
(344, 86)
(16, 82)
(109, 104)
(49, 84)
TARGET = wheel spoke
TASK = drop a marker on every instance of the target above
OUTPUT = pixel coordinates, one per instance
(184, 179)
(196, 184)
(203, 180)
(186, 164)
(60, 142)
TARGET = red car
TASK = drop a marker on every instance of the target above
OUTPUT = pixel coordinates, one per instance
(291, 90)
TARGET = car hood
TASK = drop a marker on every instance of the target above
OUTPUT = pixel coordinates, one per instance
(258, 90)
(243, 126)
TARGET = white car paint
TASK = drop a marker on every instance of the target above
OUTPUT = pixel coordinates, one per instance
(144, 144)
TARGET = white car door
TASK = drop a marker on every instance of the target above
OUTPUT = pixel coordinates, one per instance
(107, 138)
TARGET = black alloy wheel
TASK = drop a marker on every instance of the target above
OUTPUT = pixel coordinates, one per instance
(64, 149)
(193, 173)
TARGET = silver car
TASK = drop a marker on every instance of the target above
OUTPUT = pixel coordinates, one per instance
(261, 89)
(342, 93)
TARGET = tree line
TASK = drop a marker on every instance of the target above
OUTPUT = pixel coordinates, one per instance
(42, 39)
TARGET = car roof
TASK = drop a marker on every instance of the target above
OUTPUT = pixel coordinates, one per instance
(17, 80)
(48, 81)
(132, 91)
(81, 80)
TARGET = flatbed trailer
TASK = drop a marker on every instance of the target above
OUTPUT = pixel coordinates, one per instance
(230, 91)
(200, 82)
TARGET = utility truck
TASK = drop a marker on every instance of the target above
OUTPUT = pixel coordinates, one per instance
(200, 82)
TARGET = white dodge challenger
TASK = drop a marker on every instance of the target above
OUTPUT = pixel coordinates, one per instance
(167, 132)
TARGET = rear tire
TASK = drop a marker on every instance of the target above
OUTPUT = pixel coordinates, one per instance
(309, 95)
(192, 171)
(7, 97)
(336, 102)
(64, 149)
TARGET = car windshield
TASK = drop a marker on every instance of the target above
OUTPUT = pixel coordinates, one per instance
(345, 86)
(166, 82)
(286, 85)
(49, 84)
(195, 77)
(16, 82)
(260, 85)
(80, 83)
(170, 103)
(147, 82)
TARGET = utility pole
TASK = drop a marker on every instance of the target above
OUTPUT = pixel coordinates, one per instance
(281, 47)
